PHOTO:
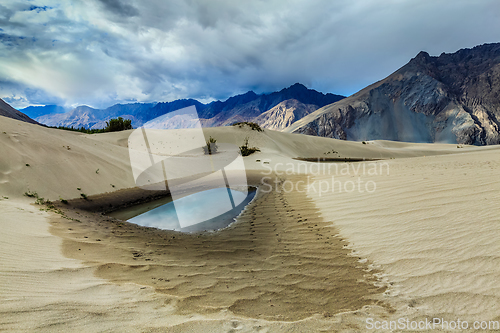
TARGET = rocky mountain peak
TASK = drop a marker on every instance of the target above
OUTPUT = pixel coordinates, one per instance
(454, 98)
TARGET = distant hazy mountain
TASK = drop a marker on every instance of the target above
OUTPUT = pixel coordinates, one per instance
(38, 111)
(8, 111)
(245, 107)
(81, 116)
(249, 106)
(87, 117)
(164, 108)
(452, 98)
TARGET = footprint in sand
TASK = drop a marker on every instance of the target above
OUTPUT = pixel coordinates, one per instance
(235, 326)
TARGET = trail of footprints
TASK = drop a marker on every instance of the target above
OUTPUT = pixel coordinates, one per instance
(280, 261)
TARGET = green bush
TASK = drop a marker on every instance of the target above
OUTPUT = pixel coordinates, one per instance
(81, 129)
(113, 125)
(118, 124)
(253, 126)
(245, 150)
(211, 147)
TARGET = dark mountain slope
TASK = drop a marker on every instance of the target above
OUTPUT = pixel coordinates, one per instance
(451, 98)
(8, 111)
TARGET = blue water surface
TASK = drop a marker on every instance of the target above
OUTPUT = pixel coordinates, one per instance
(200, 204)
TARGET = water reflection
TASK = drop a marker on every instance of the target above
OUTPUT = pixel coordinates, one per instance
(196, 207)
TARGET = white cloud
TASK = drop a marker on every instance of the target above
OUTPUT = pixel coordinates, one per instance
(105, 51)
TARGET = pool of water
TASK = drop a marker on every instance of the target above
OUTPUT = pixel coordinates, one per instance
(185, 214)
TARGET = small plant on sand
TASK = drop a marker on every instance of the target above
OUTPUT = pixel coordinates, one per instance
(84, 196)
(49, 206)
(39, 200)
(211, 146)
(64, 201)
(253, 126)
(79, 188)
(27, 164)
(97, 171)
(31, 194)
(42, 201)
(245, 150)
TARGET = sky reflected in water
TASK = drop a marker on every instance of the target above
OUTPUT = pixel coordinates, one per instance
(196, 207)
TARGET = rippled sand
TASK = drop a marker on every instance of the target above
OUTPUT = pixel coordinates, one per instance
(433, 228)
(279, 261)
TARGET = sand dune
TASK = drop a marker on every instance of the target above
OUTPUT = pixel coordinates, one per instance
(432, 227)
(274, 264)
(423, 244)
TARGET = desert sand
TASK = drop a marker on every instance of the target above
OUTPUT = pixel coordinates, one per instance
(420, 240)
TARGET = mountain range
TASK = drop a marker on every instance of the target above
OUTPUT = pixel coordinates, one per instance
(452, 98)
(276, 110)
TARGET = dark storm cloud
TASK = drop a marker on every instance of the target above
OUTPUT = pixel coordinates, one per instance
(120, 8)
(105, 51)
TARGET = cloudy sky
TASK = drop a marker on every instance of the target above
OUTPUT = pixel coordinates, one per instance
(100, 52)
